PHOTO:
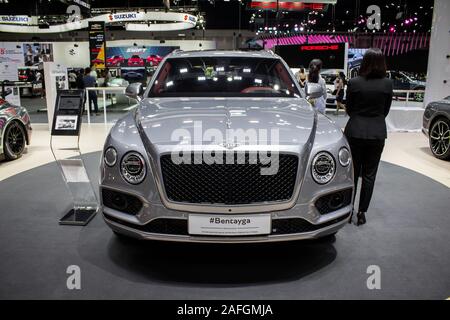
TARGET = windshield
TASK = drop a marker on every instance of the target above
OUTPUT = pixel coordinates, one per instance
(223, 77)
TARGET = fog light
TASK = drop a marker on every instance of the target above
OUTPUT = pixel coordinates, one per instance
(119, 201)
(336, 200)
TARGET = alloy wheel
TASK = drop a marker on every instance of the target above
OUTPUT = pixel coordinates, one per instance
(440, 138)
(15, 139)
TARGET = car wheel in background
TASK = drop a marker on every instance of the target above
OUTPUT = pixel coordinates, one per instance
(14, 141)
(440, 138)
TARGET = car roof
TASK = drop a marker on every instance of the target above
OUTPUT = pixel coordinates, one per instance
(226, 53)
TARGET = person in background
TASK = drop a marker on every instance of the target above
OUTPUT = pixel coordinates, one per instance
(314, 77)
(40, 79)
(369, 98)
(89, 82)
(72, 79)
(301, 77)
(80, 76)
(93, 73)
(339, 85)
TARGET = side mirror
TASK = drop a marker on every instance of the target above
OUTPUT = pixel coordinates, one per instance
(313, 90)
(134, 91)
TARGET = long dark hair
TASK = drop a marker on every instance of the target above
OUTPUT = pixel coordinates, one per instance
(314, 69)
(373, 65)
(343, 78)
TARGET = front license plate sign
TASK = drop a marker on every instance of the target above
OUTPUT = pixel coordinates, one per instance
(235, 225)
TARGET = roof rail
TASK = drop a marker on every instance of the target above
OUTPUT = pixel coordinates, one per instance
(176, 51)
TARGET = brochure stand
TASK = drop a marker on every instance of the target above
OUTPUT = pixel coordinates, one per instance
(64, 143)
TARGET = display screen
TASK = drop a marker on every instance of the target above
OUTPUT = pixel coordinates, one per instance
(69, 103)
(297, 56)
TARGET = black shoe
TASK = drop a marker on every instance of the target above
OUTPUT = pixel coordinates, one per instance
(361, 218)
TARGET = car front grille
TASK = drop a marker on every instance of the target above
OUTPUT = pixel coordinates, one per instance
(231, 183)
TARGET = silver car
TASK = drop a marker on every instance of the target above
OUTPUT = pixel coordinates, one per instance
(15, 130)
(225, 147)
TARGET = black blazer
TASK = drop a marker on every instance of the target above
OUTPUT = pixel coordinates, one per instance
(368, 104)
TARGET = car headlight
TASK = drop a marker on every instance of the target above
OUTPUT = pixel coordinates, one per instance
(344, 157)
(110, 156)
(132, 168)
(323, 167)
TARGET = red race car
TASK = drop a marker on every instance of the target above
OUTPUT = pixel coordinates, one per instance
(115, 61)
(97, 61)
(154, 59)
(135, 61)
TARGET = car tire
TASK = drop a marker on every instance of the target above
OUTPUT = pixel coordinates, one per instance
(439, 138)
(14, 141)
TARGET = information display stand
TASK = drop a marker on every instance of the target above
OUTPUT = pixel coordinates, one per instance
(64, 143)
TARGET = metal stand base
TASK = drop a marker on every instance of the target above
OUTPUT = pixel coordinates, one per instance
(80, 217)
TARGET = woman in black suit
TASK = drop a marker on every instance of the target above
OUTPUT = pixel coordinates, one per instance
(369, 98)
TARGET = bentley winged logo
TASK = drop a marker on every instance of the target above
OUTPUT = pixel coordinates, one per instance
(229, 145)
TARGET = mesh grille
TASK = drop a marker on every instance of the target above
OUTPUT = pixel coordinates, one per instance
(238, 183)
(121, 201)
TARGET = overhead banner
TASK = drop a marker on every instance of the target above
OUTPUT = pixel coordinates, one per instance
(16, 19)
(159, 22)
(137, 56)
(289, 5)
(97, 44)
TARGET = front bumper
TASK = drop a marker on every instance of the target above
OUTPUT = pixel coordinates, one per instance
(131, 232)
(297, 223)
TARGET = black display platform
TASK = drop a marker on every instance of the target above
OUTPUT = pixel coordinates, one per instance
(406, 236)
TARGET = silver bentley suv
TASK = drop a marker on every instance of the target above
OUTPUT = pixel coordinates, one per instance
(224, 146)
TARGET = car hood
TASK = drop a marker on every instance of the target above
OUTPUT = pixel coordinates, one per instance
(167, 120)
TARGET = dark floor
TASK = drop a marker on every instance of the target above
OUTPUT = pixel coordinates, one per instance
(406, 236)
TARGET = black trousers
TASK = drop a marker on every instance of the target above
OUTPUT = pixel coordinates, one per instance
(93, 100)
(366, 156)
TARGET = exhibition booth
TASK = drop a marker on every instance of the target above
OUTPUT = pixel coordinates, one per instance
(182, 164)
